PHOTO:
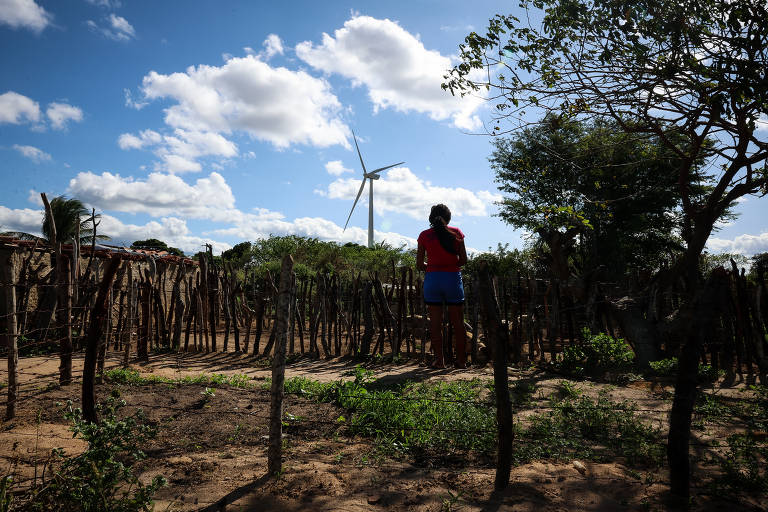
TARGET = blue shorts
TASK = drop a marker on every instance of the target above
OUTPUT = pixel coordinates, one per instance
(442, 287)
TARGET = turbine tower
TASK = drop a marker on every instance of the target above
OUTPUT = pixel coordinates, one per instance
(373, 175)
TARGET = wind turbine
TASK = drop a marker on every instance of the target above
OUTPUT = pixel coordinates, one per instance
(373, 175)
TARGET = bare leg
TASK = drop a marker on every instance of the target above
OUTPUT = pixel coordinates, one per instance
(436, 333)
(459, 335)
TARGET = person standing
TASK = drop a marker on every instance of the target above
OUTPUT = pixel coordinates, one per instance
(443, 247)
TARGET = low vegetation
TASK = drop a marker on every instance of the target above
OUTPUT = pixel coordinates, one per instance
(101, 478)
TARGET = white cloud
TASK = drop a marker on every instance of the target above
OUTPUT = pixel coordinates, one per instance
(277, 105)
(401, 191)
(171, 230)
(16, 108)
(34, 198)
(31, 152)
(117, 28)
(398, 71)
(745, 244)
(336, 168)
(131, 103)
(61, 113)
(169, 197)
(26, 220)
(159, 195)
(145, 138)
(24, 14)
(264, 223)
(179, 152)
(272, 46)
(108, 4)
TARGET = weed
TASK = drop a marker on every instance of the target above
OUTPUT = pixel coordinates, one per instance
(566, 389)
(579, 426)
(131, 377)
(744, 465)
(522, 393)
(598, 355)
(101, 478)
(668, 368)
(450, 501)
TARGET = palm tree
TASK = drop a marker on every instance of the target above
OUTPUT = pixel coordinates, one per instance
(67, 215)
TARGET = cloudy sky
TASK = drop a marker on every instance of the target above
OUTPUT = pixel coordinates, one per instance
(216, 122)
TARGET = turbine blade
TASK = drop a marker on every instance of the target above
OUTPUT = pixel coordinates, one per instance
(385, 168)
(362, 186)
(358, 152)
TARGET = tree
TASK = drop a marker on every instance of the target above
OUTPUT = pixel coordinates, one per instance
(694, 68)
(68, 215)
(153, 244)
(592, 192)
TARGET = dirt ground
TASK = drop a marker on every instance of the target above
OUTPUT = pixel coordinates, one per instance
(212, 449)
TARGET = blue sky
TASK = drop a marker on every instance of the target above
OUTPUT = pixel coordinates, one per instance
(220, 122)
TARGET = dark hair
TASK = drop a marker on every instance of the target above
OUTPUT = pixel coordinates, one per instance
(439, 217)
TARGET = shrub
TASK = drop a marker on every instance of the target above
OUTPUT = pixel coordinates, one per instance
(598, 355)
(101, 478)
(668, 368)
(744, 466)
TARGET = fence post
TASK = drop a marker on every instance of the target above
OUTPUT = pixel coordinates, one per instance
(95, 332)
(274, 453)
(8, 310)
(489, 311)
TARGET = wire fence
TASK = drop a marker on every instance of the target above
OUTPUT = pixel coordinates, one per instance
(181, 308)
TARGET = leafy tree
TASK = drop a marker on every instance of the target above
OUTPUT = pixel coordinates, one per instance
(67, 215)
(237, 254)
(759, 268)
(153, 244)
(592, 187)
(693, 68)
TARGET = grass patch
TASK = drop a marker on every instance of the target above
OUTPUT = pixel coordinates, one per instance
(579, 426)
(131, 377)
(460, 416)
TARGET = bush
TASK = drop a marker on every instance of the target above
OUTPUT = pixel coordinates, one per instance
(668, 368)
(598, 355)
(101, 478)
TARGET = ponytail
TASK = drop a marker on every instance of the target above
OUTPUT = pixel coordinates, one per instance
(439, 218)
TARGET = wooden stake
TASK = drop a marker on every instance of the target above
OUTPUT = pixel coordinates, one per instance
(274, 452)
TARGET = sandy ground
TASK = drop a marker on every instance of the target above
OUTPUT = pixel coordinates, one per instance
(214, 451)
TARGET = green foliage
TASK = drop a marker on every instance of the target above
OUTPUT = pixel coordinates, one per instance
(759, 269)
(598, 355)
(709, 261)
(503, 261)
(668, 368)
(425, 416)
(153, 244)
(618, 192)
(100, 479)
(744, 464)
(664, 367)
(131, 377)
(641, 66)
(68, 214)
(582, 427)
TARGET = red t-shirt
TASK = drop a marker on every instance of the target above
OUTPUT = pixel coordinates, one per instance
(438, 259)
